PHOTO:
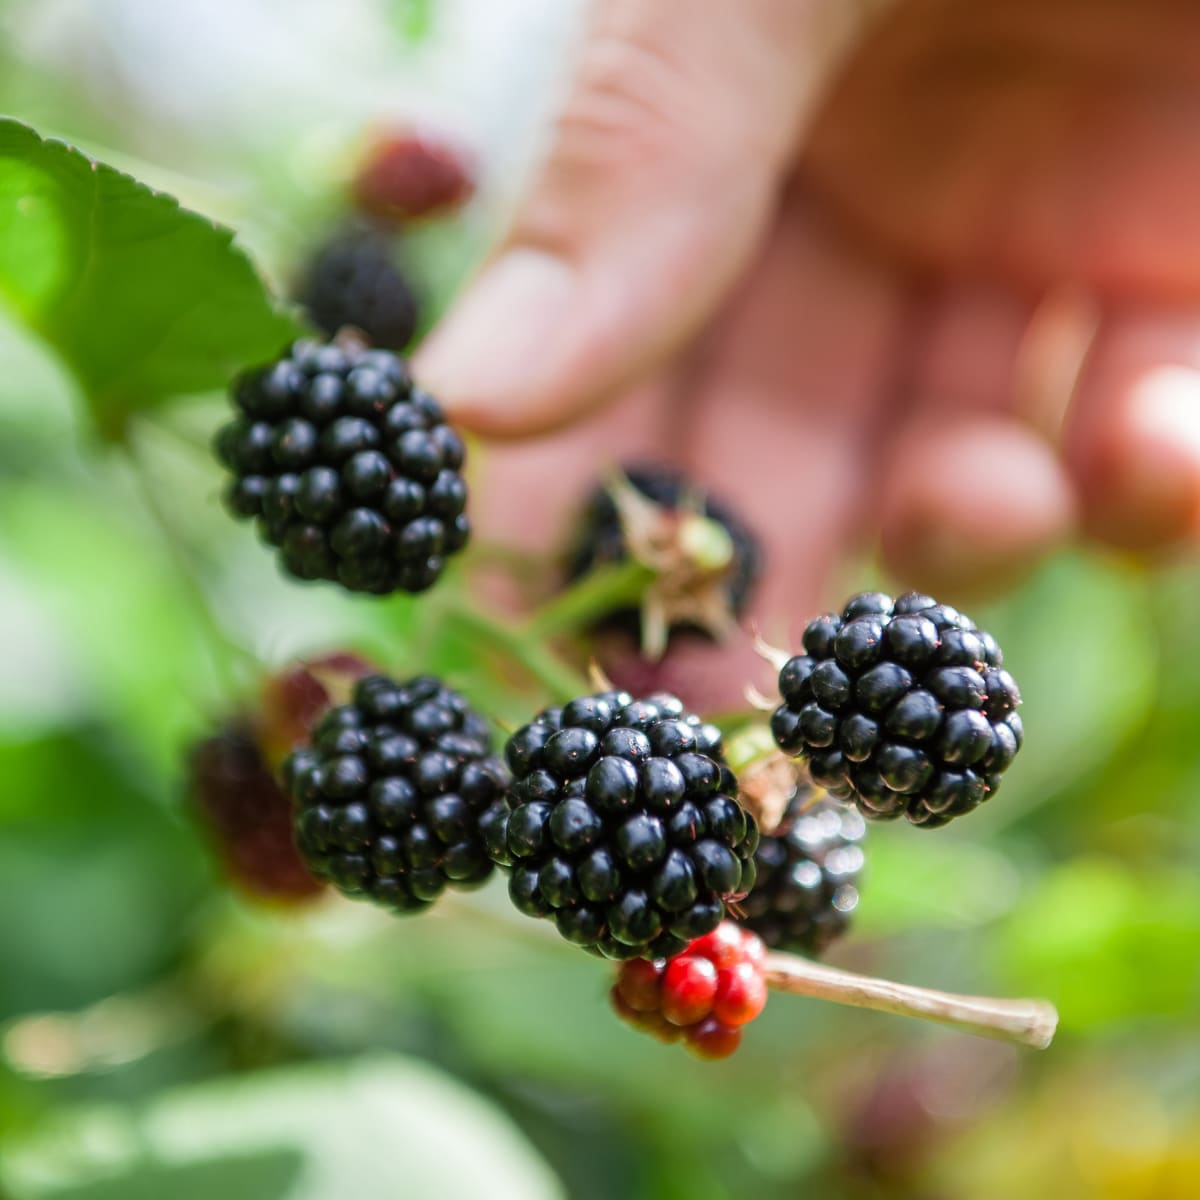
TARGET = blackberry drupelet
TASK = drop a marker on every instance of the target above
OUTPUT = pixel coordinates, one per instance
(353, 281)
(247, 816)
(622, 825)
(903, 705)
(601, 539)
(349, 469)
(807, 875)
(388, 797)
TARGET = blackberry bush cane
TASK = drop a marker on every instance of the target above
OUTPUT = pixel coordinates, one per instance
(389, 796)
(624, 825)
(903, 705)
(347, 467)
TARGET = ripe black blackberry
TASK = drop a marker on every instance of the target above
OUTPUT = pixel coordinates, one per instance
(353, 281)
(903, 705)
(623, 827)
(603, 538)
(247, 815)
(348, 468)
(808, 870)
(389, 795)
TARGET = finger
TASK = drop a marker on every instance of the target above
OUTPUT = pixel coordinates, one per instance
(1031, 142)
(663, 173)
(784, 421)
(1134, 440)
(972, 494)
(970, 503)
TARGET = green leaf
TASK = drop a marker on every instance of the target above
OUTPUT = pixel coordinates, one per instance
(140, 298)
(1107, 943)
(385, 1127)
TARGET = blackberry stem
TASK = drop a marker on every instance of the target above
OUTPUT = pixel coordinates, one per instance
(1026, 1022)
(524, 646)
(596, 595)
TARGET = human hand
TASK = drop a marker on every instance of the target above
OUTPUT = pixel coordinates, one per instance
(841, 304)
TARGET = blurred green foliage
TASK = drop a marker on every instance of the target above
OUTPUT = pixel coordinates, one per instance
(160, 1037)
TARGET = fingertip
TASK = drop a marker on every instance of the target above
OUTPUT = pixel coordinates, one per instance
(501, 361)
(968, 506)
(1138, 469)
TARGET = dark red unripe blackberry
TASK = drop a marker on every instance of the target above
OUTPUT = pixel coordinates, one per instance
(624, 828)
(248, 816)
(353, 282)
(903, 706)
(808, 869)
(407, 175)
(390, 797)
(348, 468)
(602, 539)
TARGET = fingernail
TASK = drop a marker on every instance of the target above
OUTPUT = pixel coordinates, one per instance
(492, 357)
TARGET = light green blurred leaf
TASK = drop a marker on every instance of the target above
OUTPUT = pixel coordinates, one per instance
(98, 885)
(1107, 943)
(379, 1128)
(141, 298)
(915, 881)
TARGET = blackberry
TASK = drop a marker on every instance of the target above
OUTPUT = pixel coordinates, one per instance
(353, 281)
(348, 468)
(389, 796)
(903, 705)
(247, 815)
(705, 602)
(808, 869)
(623, 826)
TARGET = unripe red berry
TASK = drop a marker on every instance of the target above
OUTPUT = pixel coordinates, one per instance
(723, 947)
(741, 994)
(638, 984)
(712, 1040)
(689, 985)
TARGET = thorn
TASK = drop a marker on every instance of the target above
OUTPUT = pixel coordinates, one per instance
(772, 654)
(597, 678)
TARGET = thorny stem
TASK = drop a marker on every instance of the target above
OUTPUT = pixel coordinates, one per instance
(1026, 1022)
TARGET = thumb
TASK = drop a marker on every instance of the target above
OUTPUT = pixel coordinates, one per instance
(665, 165)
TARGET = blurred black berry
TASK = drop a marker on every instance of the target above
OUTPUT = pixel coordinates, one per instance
(903, 705)
(349, 469)
(353, 281)
(624, 828)
(389, 796)
(808, 869)
(654, 515)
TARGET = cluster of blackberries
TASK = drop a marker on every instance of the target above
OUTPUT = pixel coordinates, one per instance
(903, 705)
(353, 282)
(601, 537)
(390, 794)
(704, 995)
(349, 469)
(624, 825)
(247, 815)
(808, 871)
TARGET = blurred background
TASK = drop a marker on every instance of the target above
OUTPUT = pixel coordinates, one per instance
(162, 1036)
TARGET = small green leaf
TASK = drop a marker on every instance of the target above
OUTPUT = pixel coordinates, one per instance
(140, 298)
